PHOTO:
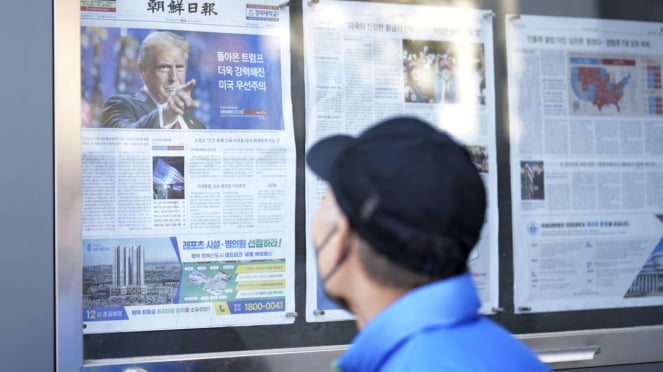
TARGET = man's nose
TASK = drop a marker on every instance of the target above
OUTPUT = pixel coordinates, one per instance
(171, 74)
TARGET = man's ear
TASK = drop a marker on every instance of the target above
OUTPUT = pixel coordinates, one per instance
(344, 230)
(141, 71)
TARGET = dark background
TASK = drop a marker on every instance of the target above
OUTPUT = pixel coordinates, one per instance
(27, 275)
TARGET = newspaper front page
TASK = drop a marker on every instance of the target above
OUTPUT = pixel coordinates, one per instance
(586, 124)
(186, 223)
(366, 62)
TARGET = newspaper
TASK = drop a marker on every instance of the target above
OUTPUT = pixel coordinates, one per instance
(186, 228)
(586, 124)
(366, 62)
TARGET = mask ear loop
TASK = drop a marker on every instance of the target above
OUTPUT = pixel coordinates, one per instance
(340, 259)
(323, 244)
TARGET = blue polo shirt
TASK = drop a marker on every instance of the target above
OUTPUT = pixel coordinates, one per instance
(437, 327)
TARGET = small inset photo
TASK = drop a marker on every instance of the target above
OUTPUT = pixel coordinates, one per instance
(442, 72)
(532, 180)
(168, 177)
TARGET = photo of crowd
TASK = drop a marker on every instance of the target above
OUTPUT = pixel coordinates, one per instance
(444, 72)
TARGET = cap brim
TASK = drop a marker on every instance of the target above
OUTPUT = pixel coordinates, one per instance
(323, 154)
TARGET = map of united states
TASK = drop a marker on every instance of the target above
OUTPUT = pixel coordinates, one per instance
(595, 85)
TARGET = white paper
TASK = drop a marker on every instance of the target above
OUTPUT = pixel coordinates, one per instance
(366, 62)
(189, 228)
(586, 124)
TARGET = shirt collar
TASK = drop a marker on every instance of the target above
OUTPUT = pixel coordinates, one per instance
(441, 304)
(180, 118)
(149, 94)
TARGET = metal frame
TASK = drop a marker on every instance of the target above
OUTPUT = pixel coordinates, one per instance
(598, 347)
(68, 255)
(562, 350)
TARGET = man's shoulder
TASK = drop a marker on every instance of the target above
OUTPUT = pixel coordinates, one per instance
(477, 346)
(138, 98)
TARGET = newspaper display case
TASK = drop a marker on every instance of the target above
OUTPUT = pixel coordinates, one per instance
(565, 337)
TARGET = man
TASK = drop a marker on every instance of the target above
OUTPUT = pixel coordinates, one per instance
(392, 236)
(445, 81)
(164, 100)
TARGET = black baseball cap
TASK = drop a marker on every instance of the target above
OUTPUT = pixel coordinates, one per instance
(404, 181)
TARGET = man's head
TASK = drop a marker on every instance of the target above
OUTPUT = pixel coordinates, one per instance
(162, 61)
(410, 194)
